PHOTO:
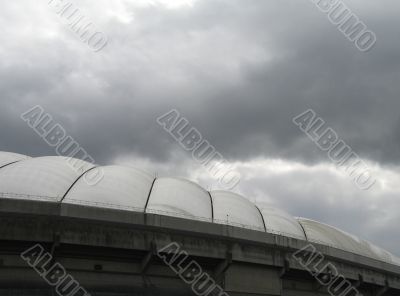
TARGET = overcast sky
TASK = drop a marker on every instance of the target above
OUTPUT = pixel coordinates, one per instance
(239, 71)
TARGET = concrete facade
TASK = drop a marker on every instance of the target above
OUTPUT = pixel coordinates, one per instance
(112, 252)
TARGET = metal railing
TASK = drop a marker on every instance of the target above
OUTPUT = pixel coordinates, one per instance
(57, 199)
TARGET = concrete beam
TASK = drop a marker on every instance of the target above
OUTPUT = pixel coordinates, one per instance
(223, 266)
(360, 282)
(55, 244)
(285, 268)
(384, 289)
(147, 259)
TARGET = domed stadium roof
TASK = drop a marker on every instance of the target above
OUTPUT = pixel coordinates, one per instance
(55, 179)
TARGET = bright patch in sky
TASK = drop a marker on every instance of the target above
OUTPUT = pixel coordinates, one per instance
(173, 4)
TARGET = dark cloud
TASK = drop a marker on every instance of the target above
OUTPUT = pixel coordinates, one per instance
(238, 73)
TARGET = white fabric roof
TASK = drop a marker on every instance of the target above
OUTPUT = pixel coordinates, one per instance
(61, 179)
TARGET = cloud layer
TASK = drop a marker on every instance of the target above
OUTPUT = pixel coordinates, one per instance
(239, 72)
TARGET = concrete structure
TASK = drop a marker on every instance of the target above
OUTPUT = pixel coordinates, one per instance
(106, 235)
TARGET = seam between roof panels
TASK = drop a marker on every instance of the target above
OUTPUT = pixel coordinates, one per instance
(304, 230)
(12, 163)
(73, 184)
(148, 197)
(212, 207)
(262, 217)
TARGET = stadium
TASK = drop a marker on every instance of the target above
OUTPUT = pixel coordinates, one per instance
(107, 234)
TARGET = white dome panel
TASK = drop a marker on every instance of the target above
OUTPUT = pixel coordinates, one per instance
(280, 222)
(120, 188)
(8, 157)
(42, 178)
(179, 198)
(380, 253)
(233, 209)
(328, 235)
(396, 260)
